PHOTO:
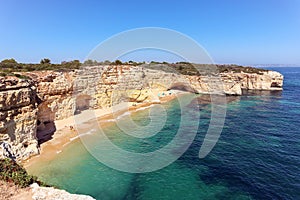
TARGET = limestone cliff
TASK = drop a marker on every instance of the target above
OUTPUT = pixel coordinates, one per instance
(28, 108)
(10, 191)
(49, 193)
(18, 115)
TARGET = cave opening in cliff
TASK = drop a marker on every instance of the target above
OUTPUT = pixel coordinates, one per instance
(275, 85)
(182, 87)
(82, 103)
(45, 131)
(45, 123)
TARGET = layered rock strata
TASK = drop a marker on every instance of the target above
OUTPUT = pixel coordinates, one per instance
(28, 108)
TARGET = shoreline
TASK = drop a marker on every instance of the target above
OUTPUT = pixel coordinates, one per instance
(67, 130)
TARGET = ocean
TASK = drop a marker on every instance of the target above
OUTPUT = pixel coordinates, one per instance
(257, 155)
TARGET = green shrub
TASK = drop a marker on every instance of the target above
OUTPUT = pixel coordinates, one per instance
(10, 65)
(11, 172)
(9, 61)
(20, 76)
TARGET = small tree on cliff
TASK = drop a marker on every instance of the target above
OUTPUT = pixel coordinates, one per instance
(45, 61)
(118, 62)
(9, 61)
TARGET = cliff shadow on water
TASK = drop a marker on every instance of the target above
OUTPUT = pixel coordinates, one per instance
(277, 93)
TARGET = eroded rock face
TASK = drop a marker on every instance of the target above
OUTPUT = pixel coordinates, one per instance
(18, 114)
(49, 193)
(267, 80)
(28, 108)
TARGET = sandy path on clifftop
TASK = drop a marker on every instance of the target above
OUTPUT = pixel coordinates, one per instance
(67, 129)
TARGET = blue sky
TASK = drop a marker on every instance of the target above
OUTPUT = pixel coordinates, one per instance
(232, 31)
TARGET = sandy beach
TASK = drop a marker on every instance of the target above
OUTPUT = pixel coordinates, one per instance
(67, 130)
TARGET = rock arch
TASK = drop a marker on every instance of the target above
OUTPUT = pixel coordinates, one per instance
(182, 87)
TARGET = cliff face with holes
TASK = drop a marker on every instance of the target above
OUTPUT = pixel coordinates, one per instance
(28, 108)
(18, 114)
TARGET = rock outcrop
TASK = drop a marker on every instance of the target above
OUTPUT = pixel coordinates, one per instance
(28, 108)
(18, 118)
(49, 193)
(10, 191)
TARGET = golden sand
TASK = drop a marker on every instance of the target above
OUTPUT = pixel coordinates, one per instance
(67, 130)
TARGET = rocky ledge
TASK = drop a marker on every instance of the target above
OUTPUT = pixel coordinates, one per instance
(50, 193)
(10, 191)
(28, 108)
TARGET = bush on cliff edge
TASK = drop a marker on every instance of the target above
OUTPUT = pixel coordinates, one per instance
(11, 172)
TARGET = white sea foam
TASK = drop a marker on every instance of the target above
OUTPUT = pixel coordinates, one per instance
(83, 134)
(74, 138)
(67, 143)
(144, 108)
(123, 115)
(108, 120)
(88, 133)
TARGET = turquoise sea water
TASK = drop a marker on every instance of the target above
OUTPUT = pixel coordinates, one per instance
(257, 155)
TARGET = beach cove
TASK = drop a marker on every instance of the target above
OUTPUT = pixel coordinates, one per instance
(251, 158)
(67, 129)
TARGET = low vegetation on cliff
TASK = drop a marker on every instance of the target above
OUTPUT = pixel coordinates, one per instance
(12, 172)
(16, 184)
(8, 67)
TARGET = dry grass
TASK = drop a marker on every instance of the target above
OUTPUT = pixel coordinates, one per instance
(9, 191)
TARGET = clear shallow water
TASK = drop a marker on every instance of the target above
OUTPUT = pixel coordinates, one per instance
(256, 157)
